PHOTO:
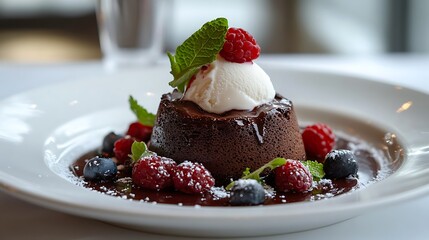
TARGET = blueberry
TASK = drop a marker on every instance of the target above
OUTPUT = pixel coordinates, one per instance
(100, 169)
(108, 143)
(247, 192)
(340, 164)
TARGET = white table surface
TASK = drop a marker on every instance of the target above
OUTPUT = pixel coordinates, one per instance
(407, 220)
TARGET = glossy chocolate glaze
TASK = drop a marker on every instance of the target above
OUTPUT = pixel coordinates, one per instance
(227, 143)
(368, 169)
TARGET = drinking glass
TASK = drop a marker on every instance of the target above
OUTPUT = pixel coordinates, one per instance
(131, 31)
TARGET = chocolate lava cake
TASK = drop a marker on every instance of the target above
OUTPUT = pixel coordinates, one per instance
(228, 143)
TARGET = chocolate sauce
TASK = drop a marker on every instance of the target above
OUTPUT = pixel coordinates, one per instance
(369, 166)
(194, 111)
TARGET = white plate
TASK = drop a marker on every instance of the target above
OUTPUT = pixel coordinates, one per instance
(44, 130)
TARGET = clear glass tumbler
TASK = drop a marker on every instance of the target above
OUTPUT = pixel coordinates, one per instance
(131, 31)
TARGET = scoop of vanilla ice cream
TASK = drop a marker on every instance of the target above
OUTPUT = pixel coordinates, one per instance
(224, 86)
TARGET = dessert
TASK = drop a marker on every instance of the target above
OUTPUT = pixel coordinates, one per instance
(226, 144)
(224, 137)
(228, 117)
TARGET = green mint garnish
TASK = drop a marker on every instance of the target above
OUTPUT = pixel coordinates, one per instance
(199, 49)
(273, 164)
(315, 168)
(139, 150)
(143, 116)
(246, 172)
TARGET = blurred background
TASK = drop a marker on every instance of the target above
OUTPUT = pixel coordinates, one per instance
(66, 30)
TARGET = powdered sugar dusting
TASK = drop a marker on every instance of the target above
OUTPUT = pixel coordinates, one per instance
(219, 192)
(269, 191)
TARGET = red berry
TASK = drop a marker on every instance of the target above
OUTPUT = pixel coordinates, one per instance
(154, 172)
(192, 178)
(139, 131)
(122, 149)
(319, 140)
(293, 176)
(239, 46)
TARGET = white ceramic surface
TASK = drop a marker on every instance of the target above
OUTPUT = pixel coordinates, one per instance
(43, 130)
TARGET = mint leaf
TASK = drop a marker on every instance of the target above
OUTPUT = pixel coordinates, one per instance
(143, 116)
(273, 164)
(183, 80)
(137, 150)
(246, 172)
(175, 68)
(199, 49)
(315, 168)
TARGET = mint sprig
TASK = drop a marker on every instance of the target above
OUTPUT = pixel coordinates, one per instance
(199, 49)
(273, 164)
(143, 115)
(315, 168)
(139, 150)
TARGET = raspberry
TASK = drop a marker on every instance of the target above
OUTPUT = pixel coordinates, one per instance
(122, 148)
(318, 140)
(239, 46)
(293, 176)
(153, 172)
(192, 178)
(139, 131)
